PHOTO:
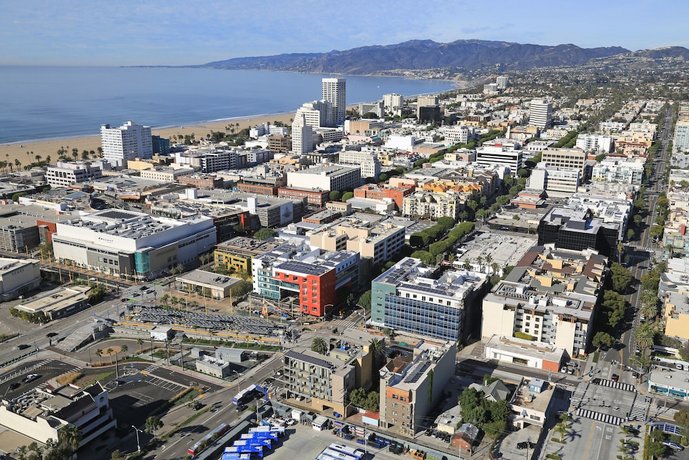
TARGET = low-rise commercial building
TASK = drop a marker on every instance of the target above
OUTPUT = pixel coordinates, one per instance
(57, 303)
(165, 174)
(525, 352)
(132, 244)
(408, 298)
(66, 173)
(325, 177)
(411, 386)
(669, 382)
(18, 277)
(237, 253)
(207, 284)
(676, 315)
(42, 413)
(311, 275)
(381, 192)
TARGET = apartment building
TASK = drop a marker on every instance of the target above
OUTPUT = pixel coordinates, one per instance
(410, 297)
(619, 170)
(432, 205)
(393, 103)
(334, 91)
(325, 177)
(376, 241)
(551, 296)
(367, 161)
(411, 386)
(238, 252)
(540, 113)
(279, 143)
(127, 142)
(65, 173)
(313, 276)
(555, 181)
(595, 143)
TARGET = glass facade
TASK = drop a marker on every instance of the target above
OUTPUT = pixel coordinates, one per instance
(425, 318)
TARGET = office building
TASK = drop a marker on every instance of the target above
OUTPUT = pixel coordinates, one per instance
(499, 156)
(65, 173)
(57, 303)
(560, 182)
(313, 276)
(160, 145)
(129, 243)
(41, 413)
(367, 161)
(680, 141)
(325, 177)
(18, 277)
(596, 143)
(619, 170)
(381, 192)
(279, 143)
(412, 386)
(302, 136)
(540, 113)
(393, 104)
(578, 229)
(126, 142)
(502, 81)
(165, 174)
(316, 114)
(236, 253)
(456, 134)
(565, 159)
(313, 197)
(207, 284)
(409, 297)
(335, 92)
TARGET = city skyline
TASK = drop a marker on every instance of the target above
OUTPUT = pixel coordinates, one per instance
(158, 33)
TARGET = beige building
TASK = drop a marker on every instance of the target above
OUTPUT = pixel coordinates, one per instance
(676, 315)
(207, 284)
(165, 174)
(564, 158)
(57, 303)
(378, 241)
(431, 205)
(18, 276)
(530, 403)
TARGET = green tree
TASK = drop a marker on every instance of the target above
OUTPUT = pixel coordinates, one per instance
(346, 196)
(621, 277)
(319, 345)
(116, 455)
(561, 429)
(264, 233)
(372, 401)
(152, 424)
(630, 234)
(602, 340)
(682, 419)
(382, 177)
(70, 437)
(365, 300)
(334, 195)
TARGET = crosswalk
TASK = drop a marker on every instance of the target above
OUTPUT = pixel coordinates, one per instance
(599, 417)
(616, 385)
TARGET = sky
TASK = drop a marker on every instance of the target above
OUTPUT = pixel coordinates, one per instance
(180, 32)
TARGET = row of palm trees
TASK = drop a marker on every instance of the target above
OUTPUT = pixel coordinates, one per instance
(109, 351)
(67, 443)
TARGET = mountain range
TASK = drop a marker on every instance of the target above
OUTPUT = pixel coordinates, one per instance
(460, 55)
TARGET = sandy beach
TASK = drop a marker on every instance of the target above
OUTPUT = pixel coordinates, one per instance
(41, 149)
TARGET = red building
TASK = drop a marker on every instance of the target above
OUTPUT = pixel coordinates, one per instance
(377, 192)
(314, 197)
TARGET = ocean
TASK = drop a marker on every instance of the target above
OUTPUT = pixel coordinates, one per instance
(52, 102)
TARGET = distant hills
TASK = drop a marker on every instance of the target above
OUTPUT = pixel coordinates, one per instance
(462, 55)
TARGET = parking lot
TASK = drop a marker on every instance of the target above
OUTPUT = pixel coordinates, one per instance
(13, 382)
(305, 442)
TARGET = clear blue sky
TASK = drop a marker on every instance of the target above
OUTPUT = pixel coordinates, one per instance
(126, 32)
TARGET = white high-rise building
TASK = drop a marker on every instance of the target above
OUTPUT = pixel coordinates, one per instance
(502, 82)
(317, 113)
(368, 161)
(540, 113)
(595, 143)
(335, 92)
(393, 103)
(127, 142)
(302, 136)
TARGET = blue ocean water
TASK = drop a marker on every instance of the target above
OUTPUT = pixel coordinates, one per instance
(50, 102)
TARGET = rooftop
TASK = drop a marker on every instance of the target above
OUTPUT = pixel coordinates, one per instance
(527, 348)
(55, 300)
(209, 279)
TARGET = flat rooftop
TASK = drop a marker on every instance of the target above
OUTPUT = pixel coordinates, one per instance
(526, 348)
(55, 300)
(503, 248)
(208, 279)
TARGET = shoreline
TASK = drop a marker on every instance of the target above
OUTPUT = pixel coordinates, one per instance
(29, 151)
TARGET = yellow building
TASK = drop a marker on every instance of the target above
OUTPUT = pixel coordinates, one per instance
(676, 313)
(140, 165)
(236, 253)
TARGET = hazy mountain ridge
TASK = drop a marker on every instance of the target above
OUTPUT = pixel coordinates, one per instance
(426, 54)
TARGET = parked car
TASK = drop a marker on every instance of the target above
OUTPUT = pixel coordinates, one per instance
(615, 378)
(31, 378)
(14, 385)
(673, 445)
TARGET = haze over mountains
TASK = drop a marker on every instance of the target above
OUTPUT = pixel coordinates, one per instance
(464, 55)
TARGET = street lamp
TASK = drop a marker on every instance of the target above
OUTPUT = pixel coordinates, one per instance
(138, 445)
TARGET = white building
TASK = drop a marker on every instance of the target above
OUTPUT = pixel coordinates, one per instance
(131, 243)
(325, 177)
(393, 103)
(499, 156)
(555, 181)
(302, 136)
(400, 142)
(317, 113)
(597, 143)
(456, 134)
(502, 81)
(367, 161)
(540, 113)
(335, 92)
(18, 276)
(619, 170)
(65, 173)
(165, 174)
(127, 142)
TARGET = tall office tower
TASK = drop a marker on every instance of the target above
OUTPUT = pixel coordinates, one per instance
(127, 142)
(317, 113)
(335, 92)
(540, 113)
(393, 103)
(502, 82)
(302, 136)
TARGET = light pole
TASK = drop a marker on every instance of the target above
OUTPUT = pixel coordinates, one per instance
(138, 445)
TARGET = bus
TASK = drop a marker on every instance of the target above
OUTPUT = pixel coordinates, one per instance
(211, 436)
(248, 394)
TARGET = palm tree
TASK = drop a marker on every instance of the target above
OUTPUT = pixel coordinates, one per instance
(561, 429)
(70, 437)
(319, 345)
(22, 452)
(99, 353)
(152, 424)
(109, 353)
(377, 347)
(38, 158)
(124, 349)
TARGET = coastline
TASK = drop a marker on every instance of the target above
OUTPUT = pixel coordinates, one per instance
(27, 151)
